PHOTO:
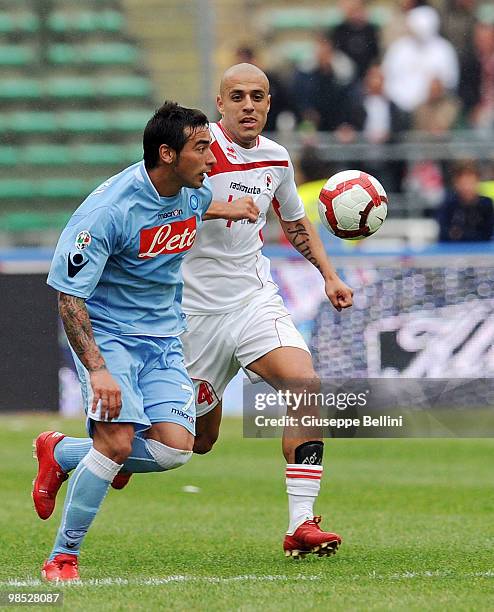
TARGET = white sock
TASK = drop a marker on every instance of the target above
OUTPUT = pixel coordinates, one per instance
(302, 485)
(166, 457)
(100, 465)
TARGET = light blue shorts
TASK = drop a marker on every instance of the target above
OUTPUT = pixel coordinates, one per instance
(152, 377)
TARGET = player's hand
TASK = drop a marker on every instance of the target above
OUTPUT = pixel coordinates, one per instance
(243, 208)
(339, 294)
(106, 389)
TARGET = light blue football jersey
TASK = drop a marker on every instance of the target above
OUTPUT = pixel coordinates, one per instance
(122, 251)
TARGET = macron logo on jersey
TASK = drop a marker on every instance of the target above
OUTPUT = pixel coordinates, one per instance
(167, 239)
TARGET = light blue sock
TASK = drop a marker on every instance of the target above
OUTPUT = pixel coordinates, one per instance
(70, 451)
(88, 487)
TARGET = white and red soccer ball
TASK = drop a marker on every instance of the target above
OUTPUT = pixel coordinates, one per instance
(353, 205)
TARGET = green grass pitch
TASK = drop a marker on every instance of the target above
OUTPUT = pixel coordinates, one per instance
(416, 518)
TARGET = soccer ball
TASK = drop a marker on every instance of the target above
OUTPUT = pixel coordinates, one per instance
(353, 205)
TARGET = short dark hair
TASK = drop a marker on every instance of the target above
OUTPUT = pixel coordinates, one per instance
(167, 126)
(466, 166)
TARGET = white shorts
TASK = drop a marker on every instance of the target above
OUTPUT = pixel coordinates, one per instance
(216, 346)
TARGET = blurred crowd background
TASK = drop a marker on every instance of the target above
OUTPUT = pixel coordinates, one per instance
(403, 90)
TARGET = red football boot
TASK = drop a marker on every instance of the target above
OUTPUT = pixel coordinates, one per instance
(50, 475)
(309, 538)
(121, 479)
(62, 568)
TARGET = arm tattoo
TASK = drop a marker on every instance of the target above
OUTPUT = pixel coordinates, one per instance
(77, 325)
(300, 238)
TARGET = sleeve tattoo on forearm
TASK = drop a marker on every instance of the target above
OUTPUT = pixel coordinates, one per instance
(300, 238)
(77, 325)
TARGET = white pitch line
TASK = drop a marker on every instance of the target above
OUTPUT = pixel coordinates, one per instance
(431, 574)
(116, 581)
(35, 582)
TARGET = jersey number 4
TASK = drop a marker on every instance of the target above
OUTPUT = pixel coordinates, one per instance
(205, 394)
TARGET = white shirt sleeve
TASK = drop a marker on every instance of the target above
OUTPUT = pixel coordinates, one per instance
(451, 70)
(286, 201)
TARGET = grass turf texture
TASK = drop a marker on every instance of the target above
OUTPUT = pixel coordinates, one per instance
(416, 518)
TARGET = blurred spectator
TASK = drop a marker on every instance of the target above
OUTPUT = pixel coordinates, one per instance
(465, 215)
(356, 37)
(383, 122)
(436, 118)
(326, 96)
(312, 175)
(312, 166)
(383, 118)
(483, 112)
(477, 77)
(424, 183)
(413, 61)
(396, 25)
(281, 100)
(438, 115)
(486, 187)
(469, 86)
(458, 21)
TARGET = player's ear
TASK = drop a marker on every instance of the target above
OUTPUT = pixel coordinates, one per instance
(269, 101)
(167, 154)
(219, 104)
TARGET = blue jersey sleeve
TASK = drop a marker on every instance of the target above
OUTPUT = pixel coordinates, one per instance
(82, 252)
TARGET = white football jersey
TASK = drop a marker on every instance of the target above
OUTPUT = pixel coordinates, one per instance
(226, 267)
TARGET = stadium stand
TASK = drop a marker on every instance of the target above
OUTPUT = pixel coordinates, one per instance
(86, 21)
(89, 55)
(74, 97)
(16, 55)
(16, 21)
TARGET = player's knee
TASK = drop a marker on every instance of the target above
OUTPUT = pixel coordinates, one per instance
(119, 450)
(115, 444)
(166, 457)
(203, 444)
